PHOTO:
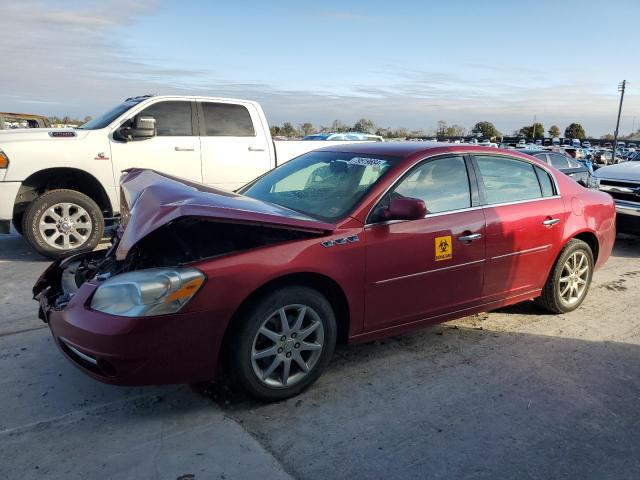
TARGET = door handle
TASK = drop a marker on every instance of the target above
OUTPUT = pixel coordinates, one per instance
(184, 149)
(470, 238)
(550, 222)
(255, 149)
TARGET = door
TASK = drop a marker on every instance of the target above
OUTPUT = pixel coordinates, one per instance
(234, 150)
(424, 268)
(525, 218)
(174, 150)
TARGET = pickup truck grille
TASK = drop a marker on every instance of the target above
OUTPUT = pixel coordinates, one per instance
(621, 190)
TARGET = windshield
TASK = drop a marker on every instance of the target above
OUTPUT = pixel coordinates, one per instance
(108, 117)
(323, 185)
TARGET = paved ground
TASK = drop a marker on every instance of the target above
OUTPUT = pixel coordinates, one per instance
(510, 394)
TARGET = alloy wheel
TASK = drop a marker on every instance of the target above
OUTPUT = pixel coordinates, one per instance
(65, 226)
(287, 346)
(574, 277)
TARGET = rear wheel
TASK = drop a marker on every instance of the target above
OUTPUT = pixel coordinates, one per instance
(285, 342)
(570, 278)
(62, 222)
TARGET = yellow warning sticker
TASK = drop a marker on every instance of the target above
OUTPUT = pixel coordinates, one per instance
(444, 248)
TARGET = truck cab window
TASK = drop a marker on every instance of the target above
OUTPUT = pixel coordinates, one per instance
(173, 119)
(227, 120)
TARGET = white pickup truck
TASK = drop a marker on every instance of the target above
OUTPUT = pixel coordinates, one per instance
(58, 187)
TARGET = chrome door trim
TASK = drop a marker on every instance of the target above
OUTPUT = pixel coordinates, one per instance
(388, 280)
(523, 252)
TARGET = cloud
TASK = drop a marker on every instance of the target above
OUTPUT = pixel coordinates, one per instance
(69, 58)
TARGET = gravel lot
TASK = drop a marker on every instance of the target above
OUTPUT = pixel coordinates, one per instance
(510, 394)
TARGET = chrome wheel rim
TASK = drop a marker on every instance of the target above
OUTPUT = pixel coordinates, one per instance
(287, 346)
(574, 277)
(65, 226)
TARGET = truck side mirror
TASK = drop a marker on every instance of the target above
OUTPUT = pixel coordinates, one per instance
(142, 128)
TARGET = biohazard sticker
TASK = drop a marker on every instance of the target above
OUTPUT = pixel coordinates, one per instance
(444, 248)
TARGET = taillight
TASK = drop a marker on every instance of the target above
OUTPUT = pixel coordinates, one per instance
(4, 160)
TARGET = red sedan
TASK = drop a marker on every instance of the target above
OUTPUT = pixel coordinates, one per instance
(347, 243)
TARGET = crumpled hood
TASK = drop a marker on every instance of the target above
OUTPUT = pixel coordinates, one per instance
(150, 199)
(620, 171)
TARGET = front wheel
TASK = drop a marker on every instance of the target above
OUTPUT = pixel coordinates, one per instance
(286, 340)
(570, 278)
(62, 222)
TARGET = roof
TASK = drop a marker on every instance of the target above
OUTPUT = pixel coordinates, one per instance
(407, 149)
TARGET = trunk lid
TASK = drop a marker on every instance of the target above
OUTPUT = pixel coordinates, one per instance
(151, 199)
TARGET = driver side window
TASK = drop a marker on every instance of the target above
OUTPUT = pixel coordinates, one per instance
(173, 119)
(443, 185)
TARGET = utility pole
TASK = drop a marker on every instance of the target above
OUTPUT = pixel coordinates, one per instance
(621, 88)
(533, 132)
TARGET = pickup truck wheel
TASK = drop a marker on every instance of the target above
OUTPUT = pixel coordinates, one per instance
(63, 222)
(286, 340)
(569, 280)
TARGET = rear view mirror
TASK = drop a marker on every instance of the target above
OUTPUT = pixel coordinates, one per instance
(405, 208)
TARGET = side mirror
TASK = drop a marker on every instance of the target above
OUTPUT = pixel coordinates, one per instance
(141, 129)
(405, 208)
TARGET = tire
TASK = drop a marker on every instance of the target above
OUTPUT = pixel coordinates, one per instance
(555, 298)
(265, 315)
(65, 237)
(17, 222)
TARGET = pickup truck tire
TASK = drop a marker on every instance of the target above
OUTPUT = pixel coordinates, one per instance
(62, 222)
(273, 361)
(569, 280)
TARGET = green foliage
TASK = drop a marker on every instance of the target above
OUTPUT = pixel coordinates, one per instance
(288, 130)
(364, 125)
(307, 128)
(528, 131)
(554, 131)
(486, 129)
(574, 130)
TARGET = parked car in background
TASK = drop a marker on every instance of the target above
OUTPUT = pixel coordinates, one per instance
(270, 278)
(622, 182)
(586, 144)
(569, 166)
(10, 121)
(58, 186)
(352, 136)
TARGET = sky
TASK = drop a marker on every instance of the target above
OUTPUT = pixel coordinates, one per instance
(400, 64)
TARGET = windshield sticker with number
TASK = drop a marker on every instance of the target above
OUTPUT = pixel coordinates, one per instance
(374, 162)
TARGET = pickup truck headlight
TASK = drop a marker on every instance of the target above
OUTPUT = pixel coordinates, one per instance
(4, 160)
(155, 291)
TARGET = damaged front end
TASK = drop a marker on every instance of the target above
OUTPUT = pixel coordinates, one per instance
(116, 313)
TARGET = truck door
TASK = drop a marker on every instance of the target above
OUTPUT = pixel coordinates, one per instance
(174, 150)
(234, 146)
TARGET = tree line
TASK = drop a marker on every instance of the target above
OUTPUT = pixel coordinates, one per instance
(67, 120)
(484, 129)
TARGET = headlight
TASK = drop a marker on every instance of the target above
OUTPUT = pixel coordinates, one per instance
(155, 291)
(4, 160)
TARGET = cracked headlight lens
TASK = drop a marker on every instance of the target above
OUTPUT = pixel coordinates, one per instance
(154, 291)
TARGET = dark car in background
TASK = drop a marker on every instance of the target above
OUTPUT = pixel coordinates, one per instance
(569, 166)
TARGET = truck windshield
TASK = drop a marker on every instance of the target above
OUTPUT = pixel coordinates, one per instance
(106, 118)
(323, 185)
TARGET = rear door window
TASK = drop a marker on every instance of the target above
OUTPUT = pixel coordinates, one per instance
(508, 180)
(227, 120)
(173, 119)
(558, 161)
